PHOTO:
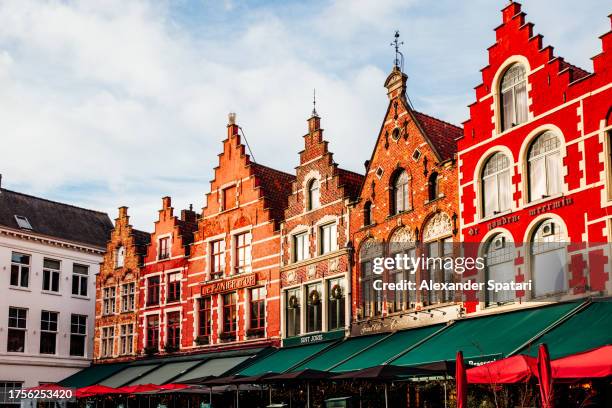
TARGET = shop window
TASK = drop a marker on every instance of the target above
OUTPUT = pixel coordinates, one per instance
(314, 308)
(300, 247)
(513, 97)
(153, 286)
(79, 279)
(499, 258)
(336, 292)
(243, 252)
(400, 193)
(106, 341)
(496, 185)
(328, 238)
(313, 199)
(17, 325)
(6, 399)
(127, 297)
(229, 313)
(51, 275)
(174, 287)
(78, 333)
(548, 259)
(544, 166)
(173, 333)
(153, 332)
(126, 339)
(120, 257)
(20, 270)
(292, 312)
(108, 300)
(258, 309)
(217, 255)
(204, 316)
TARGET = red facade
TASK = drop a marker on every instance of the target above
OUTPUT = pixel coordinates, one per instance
(534, 164)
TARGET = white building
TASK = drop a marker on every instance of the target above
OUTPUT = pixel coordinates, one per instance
(49, 257)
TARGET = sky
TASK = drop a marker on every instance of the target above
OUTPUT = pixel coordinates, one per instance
(116, 102)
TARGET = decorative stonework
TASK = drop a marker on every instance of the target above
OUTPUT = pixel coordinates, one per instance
(438, 226)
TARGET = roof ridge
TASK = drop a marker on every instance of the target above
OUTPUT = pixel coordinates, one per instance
(52, 201)
(438, 119)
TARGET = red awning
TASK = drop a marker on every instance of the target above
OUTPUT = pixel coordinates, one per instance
(133, 389)
(595, 363)
(515, 369)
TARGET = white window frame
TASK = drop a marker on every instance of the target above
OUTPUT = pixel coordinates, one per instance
(52, 271)
(108, 300)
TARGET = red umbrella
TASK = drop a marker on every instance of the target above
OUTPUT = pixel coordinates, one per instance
(133, 389)
(172, 387)
(94, 390)
(545, 376)
(461, 380)
(515, 369)
(595, 363)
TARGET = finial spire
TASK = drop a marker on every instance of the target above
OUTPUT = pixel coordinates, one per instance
(314, 103)
(399, 57)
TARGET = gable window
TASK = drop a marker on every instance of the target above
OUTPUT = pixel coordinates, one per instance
(127, 297)
(229, 313)
(499, 259)
(126, 338)
(174, 330)
(336, 293)
(327, 239)
(17, 325)
(153, 332)
(204, 316)
(258, 309)
(314, 308)
(78, 331)
(548, 259)
(51, 275)
(48, 332)
(433, 188)
(367, 213)
(300, 247)
(243, 252)
(496, 185)
(229, 198)
(164, 248)
(513, 94)
(120, 257)
(153, 284)
(292, 312)
(108, 300)
(544, 166)
(20, 270)
(106, 341)
(174, 287)
(400, 194)
(217, 255)
(79, 279)
(313, 200)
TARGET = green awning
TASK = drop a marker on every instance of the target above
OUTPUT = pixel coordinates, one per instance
(486, 338)
(387, 348)
(165, 372)
(215, 366)
(340, 352)
(127, 375)
(91, 375)
(285, 358)
(587, 329)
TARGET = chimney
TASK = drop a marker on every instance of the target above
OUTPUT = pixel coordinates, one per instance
(166, 202)
(188, 215)
(396, 83)
(232, 127)
(123, 212)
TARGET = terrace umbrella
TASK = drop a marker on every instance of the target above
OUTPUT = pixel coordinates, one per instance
(225, 381)
(461, 380)
(545, 376)
(306, 375)
(516, 369)
(139, 388)
(94, 390)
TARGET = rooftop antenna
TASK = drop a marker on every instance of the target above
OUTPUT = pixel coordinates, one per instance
(314, 103)
(399, 57)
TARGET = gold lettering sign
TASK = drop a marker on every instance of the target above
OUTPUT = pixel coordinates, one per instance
(229, 285)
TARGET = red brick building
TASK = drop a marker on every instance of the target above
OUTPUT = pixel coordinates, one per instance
(408, 198)
(535, 166)
(234, 265)
(316, 264)
(163, 295)
(117, 292)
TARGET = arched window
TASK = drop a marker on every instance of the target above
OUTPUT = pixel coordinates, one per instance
(499, 257)
(496, 185)
(120, 257)
(548, 259)
(432, 186)
(438, 245)
(544, 166)
(513, 94)
(367, 213)
(371, 299)
(313, 194)
(401, 199)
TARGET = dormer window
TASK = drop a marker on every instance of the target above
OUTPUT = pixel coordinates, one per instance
(313, 194)
(513, 97)
(120, 257)
(23, 222)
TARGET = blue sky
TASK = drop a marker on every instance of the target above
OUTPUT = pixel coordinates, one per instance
(115, 102)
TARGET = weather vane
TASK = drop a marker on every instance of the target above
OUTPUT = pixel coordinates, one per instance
(399, 57)
(314, 102)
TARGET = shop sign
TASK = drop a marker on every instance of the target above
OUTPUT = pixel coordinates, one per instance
(228, 285)
(313, 338)
(553, 205)
(480, 360)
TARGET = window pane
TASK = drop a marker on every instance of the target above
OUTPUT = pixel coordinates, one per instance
(520, 94)
(537, 178)
(553, 174)
(504, 186)
(490, 195)
(507, 109)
